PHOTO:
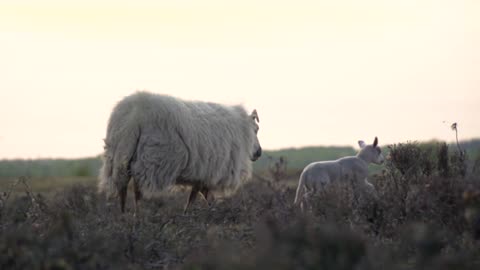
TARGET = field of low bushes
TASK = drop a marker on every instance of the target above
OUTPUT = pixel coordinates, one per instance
(427, 216)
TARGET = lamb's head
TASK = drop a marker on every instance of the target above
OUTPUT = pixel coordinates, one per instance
(371, 153)
(256, 148)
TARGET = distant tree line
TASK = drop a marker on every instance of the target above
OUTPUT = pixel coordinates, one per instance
(298, 158)
(49, 167)
(295, 159)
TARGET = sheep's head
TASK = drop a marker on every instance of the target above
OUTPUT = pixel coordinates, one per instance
(256, 148)
(371, 153)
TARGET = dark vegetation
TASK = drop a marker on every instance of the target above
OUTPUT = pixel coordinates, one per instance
(49, 167)
(296, 158)
(427, 216)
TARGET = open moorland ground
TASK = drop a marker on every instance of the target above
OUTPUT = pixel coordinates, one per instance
(427, 216)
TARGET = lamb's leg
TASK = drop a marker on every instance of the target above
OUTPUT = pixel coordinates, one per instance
(303, 202)
(138, 196)
(304, 205)
(371, 188)
(192, 197)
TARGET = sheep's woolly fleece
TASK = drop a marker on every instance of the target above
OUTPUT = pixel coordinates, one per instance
(160, 141)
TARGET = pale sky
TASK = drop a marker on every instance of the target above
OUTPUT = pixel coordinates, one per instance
(318, 72)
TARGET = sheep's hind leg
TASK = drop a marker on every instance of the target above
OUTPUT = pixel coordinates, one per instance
(122, 193)
(192, 197)
(138, 197)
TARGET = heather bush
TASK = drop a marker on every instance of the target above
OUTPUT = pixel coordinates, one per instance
(422, 219)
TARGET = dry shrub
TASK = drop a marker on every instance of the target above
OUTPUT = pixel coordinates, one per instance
(410, 159)
(301, 244)
(419, 221)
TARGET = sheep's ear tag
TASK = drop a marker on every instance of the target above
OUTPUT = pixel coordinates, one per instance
(254, 116)
(375, 142)
(361, 144)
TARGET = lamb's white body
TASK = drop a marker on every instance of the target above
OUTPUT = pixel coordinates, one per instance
(317, 175)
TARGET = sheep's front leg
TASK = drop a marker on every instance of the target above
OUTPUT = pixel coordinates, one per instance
(207, 195)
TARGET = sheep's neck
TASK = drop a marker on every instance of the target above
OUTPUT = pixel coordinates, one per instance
(363, 157)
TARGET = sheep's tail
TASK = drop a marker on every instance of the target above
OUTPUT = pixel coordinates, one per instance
(120, 147)
(300, 191)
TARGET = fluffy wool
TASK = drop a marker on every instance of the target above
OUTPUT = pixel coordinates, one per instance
(160, 141)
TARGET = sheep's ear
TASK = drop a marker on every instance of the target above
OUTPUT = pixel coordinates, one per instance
(375, 142)
(106, 144)
(361, 144)
(254, 116)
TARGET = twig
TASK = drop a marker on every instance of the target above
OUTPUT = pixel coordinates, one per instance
(454, 127)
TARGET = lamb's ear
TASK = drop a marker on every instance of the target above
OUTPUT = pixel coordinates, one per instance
(361, 144)
(254, 116)
(375, 142)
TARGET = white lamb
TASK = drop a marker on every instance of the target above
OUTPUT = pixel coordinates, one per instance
(319, 174)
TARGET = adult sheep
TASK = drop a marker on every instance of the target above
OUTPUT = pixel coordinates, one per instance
(160, 141)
